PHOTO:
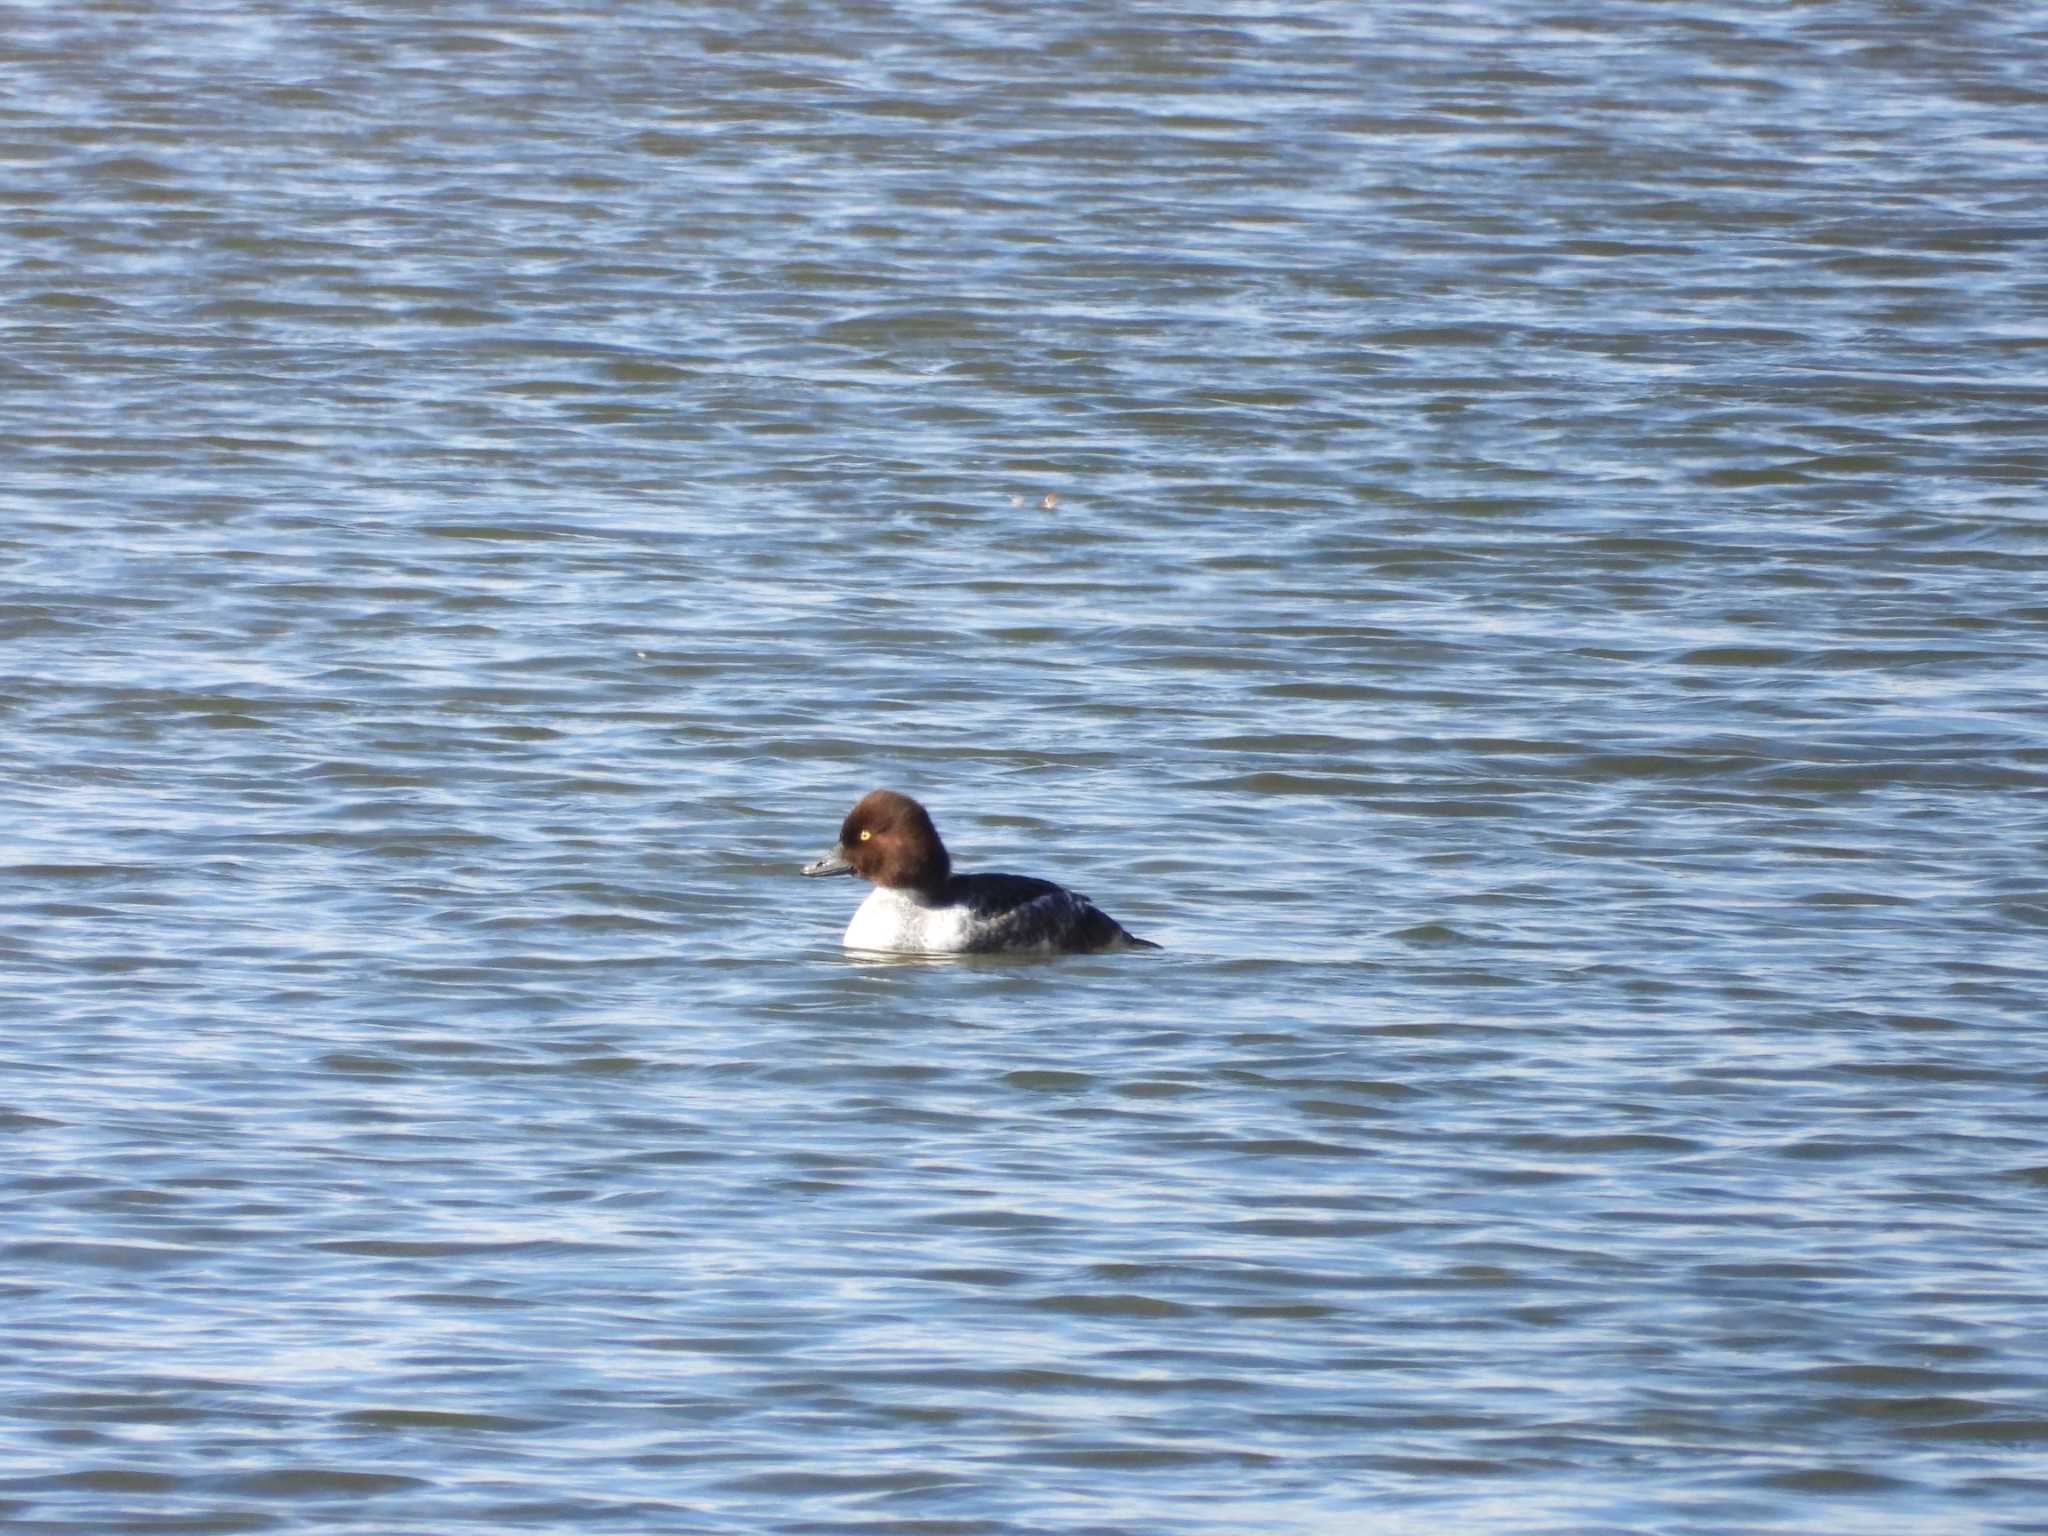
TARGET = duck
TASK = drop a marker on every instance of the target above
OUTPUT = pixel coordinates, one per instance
(919, 906)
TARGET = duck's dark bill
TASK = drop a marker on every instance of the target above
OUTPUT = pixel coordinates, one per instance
(833, 863)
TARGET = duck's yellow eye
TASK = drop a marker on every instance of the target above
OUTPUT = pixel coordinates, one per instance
(865, 834)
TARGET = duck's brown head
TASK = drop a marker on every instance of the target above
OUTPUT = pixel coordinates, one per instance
(888, 838)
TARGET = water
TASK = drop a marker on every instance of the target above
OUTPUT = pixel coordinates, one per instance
(1540, 610)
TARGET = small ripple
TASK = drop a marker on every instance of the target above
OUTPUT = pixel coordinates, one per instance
(1831, 1480)
(452, 1420)
(1114, 1305)
(315, 1483)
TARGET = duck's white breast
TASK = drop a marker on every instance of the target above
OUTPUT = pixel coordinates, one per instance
(896, 921)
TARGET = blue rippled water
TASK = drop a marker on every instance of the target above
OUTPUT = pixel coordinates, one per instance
(1510, 539)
